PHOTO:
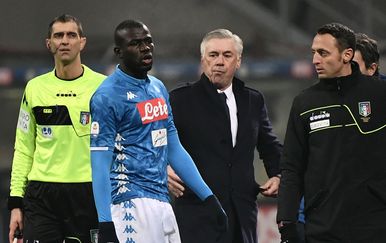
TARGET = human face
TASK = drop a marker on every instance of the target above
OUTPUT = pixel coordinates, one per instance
(136, 51)
(362, 66)
(329, 62)
(65, 43)
(220, 62)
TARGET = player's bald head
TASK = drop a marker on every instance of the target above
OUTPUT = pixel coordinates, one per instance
(124, 27)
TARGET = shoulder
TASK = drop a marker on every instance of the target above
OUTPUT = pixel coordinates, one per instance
(253, 92)
(42, 79)
(373, 84)
(155, 80)
(254, 95)
(157, 84)
(107, 86)
(183, 92)
(382, 76)
(313, 90)
(239, 86)
(89, 73)
(182, 88)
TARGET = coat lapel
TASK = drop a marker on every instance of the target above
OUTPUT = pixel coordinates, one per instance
(242, 103)
(214, 98)
(215, 105)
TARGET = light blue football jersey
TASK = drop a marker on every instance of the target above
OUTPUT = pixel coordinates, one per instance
(132, 117)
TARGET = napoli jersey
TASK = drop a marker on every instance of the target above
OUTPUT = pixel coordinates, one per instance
(132, 117)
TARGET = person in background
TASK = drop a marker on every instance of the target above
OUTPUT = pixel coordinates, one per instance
(221, 123)
(367, 55)
(133, 139)
(333, 150)
(51, 193)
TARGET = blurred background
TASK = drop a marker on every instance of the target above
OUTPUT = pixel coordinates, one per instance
(277, 35)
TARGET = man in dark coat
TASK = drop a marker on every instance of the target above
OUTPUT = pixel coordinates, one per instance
(221, 135)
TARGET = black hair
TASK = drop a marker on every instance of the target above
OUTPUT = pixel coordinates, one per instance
(344, 36)
(64, 18)
(369, 50)
(125, 25)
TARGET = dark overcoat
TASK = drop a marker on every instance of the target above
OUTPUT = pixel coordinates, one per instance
(204, 131)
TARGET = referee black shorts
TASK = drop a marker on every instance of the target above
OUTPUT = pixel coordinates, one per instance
(54, 212)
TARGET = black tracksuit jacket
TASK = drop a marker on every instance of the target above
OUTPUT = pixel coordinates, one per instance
(335, 155)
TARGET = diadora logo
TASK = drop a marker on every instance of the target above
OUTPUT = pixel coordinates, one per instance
(321, 120)
(153, 110)
(66, 94)
(130, 95)
(321, 115)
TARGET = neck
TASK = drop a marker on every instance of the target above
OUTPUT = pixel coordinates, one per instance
(137, 75)
(347, 70)
(69, 71)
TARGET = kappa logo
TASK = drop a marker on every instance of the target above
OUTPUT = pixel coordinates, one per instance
(131, 95)
(153, 110)
(122, 189)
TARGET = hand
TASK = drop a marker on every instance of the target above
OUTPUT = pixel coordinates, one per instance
(271, 187)
(107, 233)
(175, 183)
(288, 232)
(18, 236)
(221, 217)
(15, 224)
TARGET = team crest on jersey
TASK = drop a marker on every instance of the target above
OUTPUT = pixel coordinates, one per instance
(364, 110)
(84, 117)
(94, 128)
(153, 110)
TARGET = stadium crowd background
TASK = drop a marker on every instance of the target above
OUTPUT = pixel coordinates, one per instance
(277, 35)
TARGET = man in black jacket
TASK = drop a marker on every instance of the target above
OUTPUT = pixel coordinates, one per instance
(333, 151)
(221, 136)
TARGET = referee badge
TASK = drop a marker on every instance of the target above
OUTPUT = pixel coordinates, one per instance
(84, 117)
(364, 110)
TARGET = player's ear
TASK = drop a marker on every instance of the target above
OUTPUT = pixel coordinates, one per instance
(118, 51)
(238, 62)
(348, 55)
(82, 42)
(48, 44)
(372, 69)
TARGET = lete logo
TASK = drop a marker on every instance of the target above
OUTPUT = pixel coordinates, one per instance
(152, 110)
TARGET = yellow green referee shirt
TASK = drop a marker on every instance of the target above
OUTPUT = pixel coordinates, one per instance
(53, 131)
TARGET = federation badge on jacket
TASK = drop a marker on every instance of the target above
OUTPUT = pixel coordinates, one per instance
(84, 117)
(364, 110)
